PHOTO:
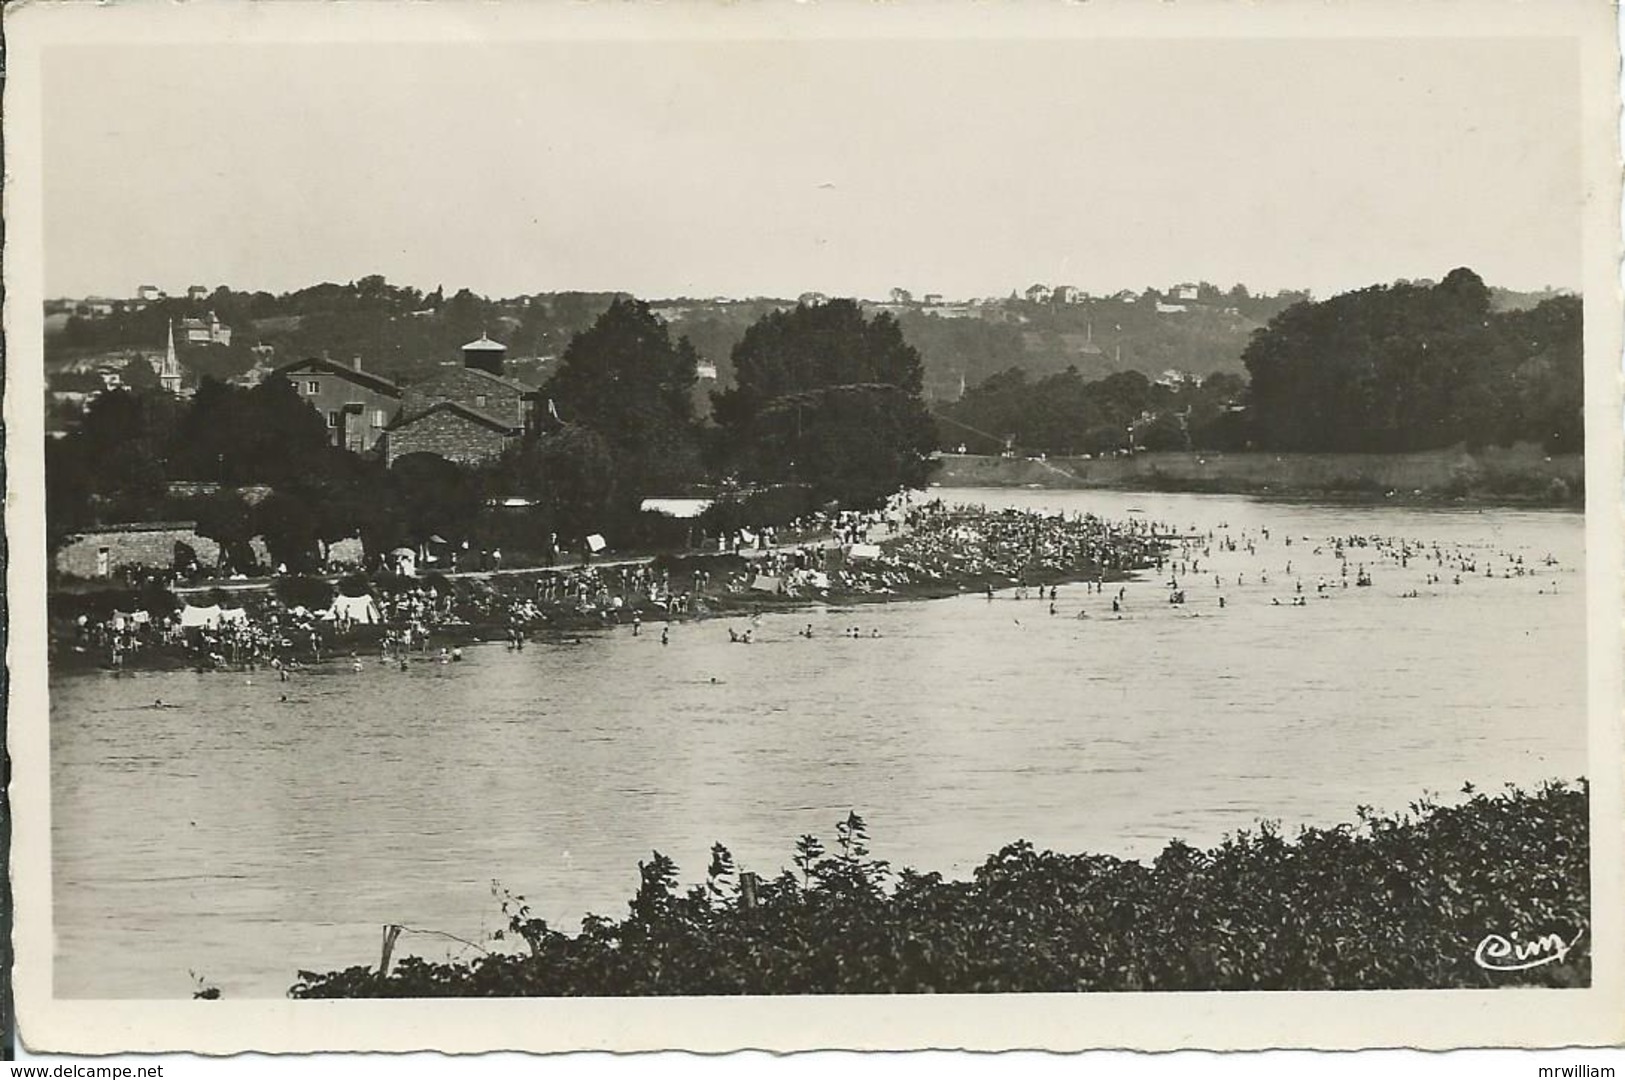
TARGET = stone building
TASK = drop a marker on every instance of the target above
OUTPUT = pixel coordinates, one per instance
(468, 414)
(103, 552)
(357, 405)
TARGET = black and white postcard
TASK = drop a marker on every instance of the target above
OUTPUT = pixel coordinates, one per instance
(803, 526)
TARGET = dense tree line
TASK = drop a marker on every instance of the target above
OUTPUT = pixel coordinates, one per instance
(1065, 413)
(826, 397)
(621, 426)
(403, 331)
(1417, 366)
(1402, 367)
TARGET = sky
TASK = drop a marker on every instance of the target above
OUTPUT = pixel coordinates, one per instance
(770, 168)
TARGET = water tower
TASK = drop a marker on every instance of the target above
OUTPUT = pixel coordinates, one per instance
(485, 354)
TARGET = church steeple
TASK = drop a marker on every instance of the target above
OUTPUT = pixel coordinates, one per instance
(169, 376)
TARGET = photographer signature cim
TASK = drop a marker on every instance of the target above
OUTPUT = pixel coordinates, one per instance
(1497, 953)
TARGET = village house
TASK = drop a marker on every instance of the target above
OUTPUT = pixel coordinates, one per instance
(210, 331)
(1037, 294)
(357, 405)
(468, 414)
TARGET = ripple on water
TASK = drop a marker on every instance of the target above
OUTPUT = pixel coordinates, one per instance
(283, 840)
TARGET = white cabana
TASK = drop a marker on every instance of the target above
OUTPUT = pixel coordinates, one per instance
(404, 561)
(675, 506)
(357, 609)
(200, 616)
(233, 615)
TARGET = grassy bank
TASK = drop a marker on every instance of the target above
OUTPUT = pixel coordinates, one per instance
(1520, 474)
(1390, 902)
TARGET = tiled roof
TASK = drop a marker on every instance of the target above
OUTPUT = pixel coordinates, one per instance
(511, 384)
(483, 418)
(364, 378)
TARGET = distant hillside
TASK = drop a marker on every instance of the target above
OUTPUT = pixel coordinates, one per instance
(407, 334)
(1508, 300)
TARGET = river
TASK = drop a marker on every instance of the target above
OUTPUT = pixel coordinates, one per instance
(238, 837)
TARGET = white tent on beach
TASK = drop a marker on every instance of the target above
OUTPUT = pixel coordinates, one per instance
(357, 609)
(200, 616)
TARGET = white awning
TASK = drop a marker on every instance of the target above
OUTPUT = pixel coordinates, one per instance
(676, 506)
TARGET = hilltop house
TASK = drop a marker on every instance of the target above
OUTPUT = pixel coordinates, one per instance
(468, 414)
(1037, 294)
(357, 405)
(210, 331)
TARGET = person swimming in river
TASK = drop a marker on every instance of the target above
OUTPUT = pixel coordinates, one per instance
(665, 635)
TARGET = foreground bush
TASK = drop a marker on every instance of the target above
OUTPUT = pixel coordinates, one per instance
(1395, 902)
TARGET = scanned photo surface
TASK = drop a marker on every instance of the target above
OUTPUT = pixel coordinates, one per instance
(1099, 525)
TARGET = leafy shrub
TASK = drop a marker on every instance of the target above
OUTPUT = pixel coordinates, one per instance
(1393, 902)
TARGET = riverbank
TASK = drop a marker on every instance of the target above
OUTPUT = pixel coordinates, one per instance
(1520, 475)
(943, 551)
(1445, 896)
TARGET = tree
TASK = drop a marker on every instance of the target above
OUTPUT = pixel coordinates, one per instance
(826, 397)
(291, 531)
(229, 521)
(351, 496)
(625, 379)
(263, 435)
(137, 374)
(1415, 366)
(570, 473)
(122, 448)
(437, 497)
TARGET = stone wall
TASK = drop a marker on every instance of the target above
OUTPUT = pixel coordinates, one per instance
(139, 546)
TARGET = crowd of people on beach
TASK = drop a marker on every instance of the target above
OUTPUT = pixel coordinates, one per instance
(924, 549)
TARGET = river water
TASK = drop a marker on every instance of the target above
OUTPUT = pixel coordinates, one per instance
(241, 838)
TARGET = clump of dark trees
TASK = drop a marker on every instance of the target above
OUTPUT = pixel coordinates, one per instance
(827, 406)
(1388, 369)
(1392, 902)
(1065, 413)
